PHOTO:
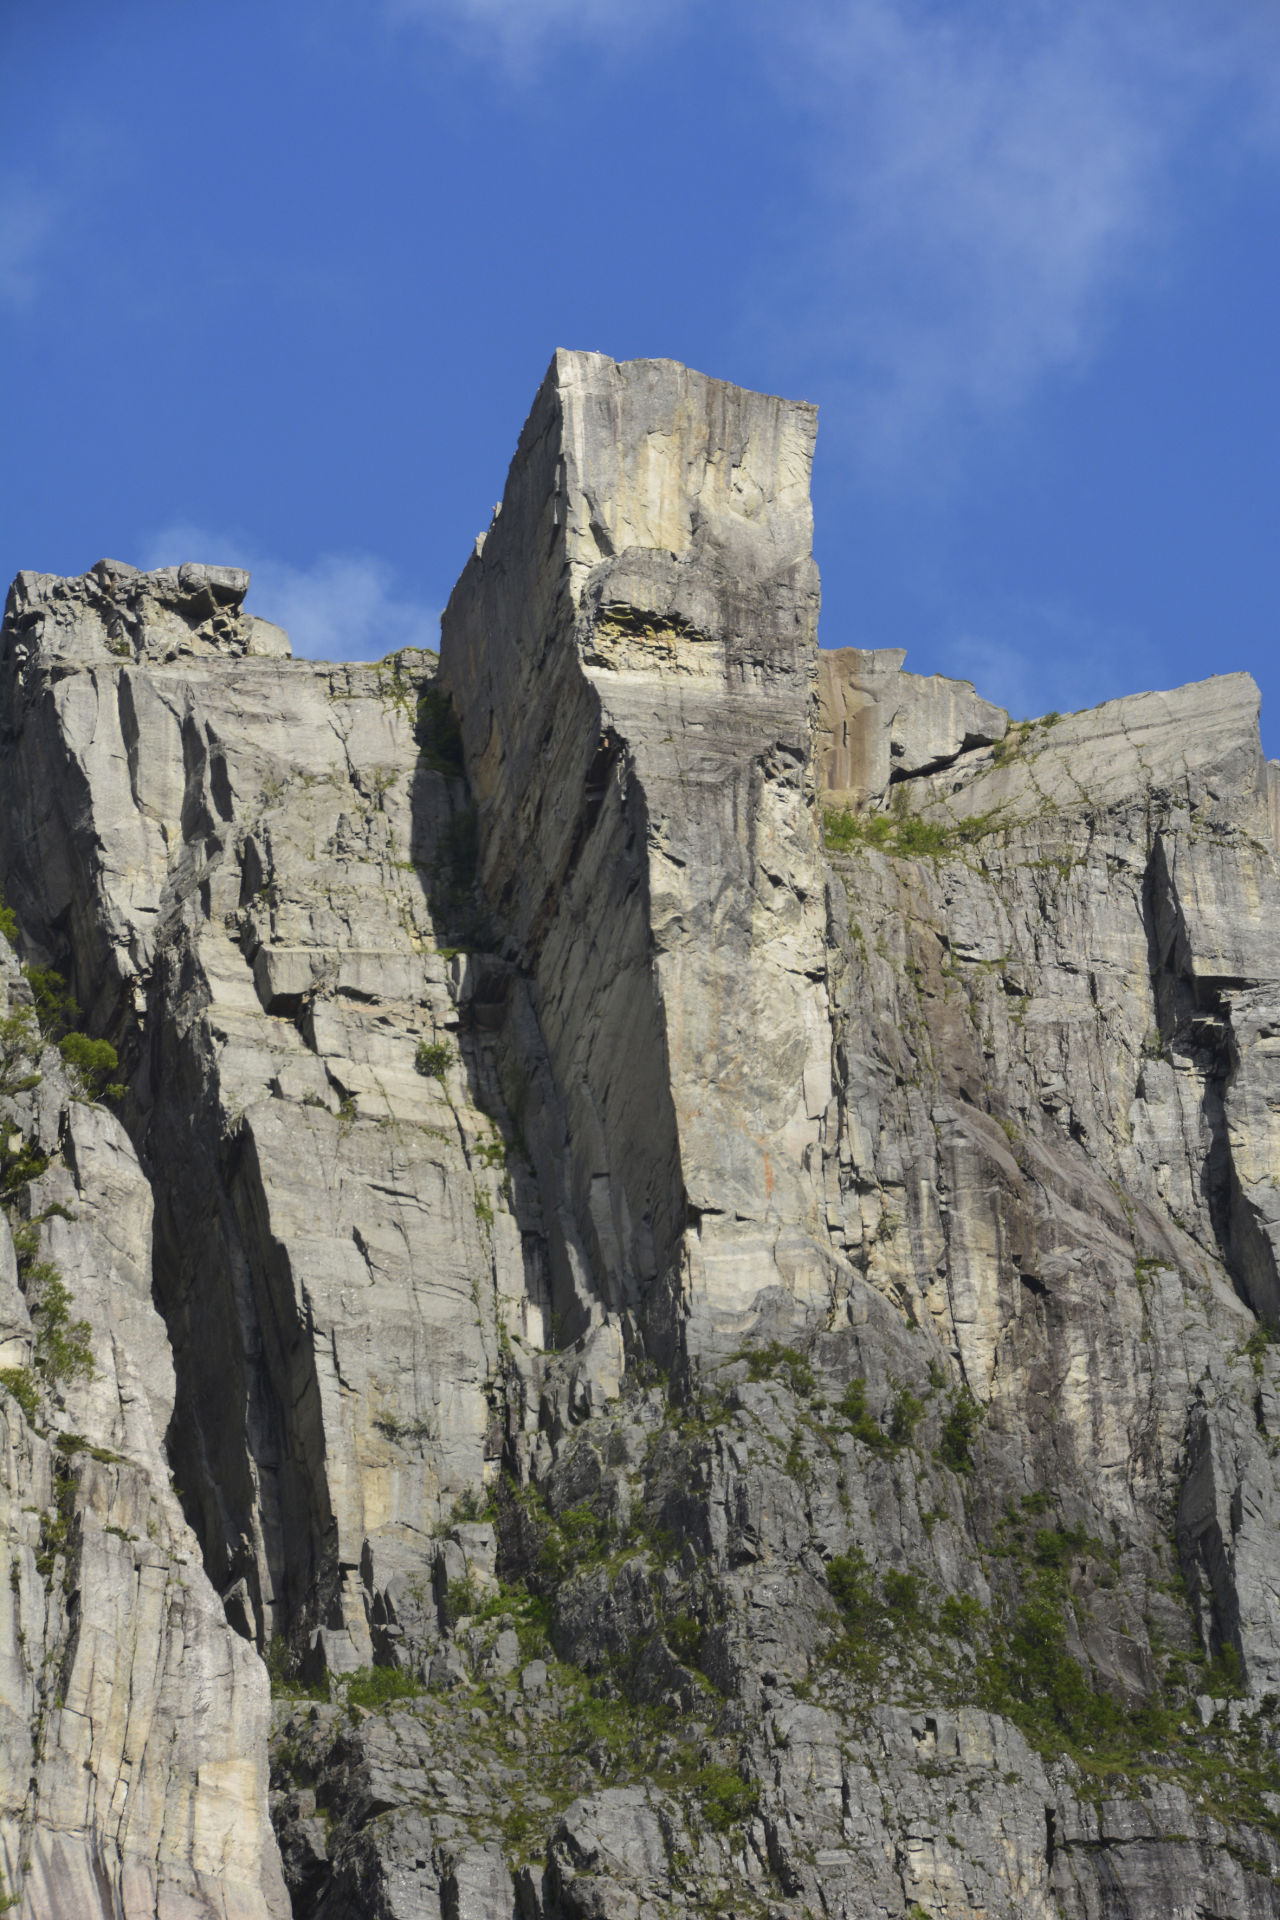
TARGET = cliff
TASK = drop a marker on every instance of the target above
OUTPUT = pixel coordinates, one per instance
(671, 1306)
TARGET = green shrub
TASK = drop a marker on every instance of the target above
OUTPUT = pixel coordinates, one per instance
(433, 1059)
(62, 1350)
(52, 1018)
(853, 1409)
(492, 1152)
(573, 1538)
(9, 928)
(1032, 1677)
(959, 1430)
(91, 1063)
(904, 1594)
(727, 1799)
(960, 1616)
(377, 1686)
(1055, 1548)
(282, 1667)
(1223, 1678)
(852, 1584)
(904, 1417)
(19, 1051)
(683, 1634)
(767, 1362)
(461, 1598)
(27, 1163)
(1265, 1334)
(21, 1383)
(57, 1009)
(797, 1464)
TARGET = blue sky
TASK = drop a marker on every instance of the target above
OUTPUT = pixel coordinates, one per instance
(278, 282)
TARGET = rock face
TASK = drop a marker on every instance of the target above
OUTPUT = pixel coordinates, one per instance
(686, 1244)
(876, 725)
(134, 1720)
(631, 653)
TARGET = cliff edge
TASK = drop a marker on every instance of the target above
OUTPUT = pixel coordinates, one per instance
(641, 1261)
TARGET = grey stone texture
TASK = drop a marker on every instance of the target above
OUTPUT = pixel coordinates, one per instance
(725, 1364)
(876, 724)
(631, 652)
(133, 1720)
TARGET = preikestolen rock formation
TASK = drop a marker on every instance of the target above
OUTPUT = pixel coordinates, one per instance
(640, 1269)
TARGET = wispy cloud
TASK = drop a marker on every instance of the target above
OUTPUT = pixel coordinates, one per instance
(342, 607)
(27, 217)
(519, 33)
(990, 178)
(1035, 658)
(986, 180)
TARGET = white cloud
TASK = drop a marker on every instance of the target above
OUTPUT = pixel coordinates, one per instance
(342, 607)
(27, 217)
(986, 179)
(990, 178)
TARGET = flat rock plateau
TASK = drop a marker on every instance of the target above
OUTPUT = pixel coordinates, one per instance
(640, 1264)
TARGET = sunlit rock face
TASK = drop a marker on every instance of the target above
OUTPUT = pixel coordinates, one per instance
(683, 1242)
(632, 653)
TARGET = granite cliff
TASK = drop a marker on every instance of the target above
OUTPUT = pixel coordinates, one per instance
(639, 1269)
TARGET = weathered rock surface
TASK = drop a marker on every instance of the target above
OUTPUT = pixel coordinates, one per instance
(876, 724)
(243, 860)
(723, 1374)
(133, 1719)
(631, 654)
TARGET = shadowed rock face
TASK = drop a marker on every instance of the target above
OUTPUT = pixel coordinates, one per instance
(732, 1357)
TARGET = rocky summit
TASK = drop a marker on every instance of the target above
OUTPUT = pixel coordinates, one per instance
(640, 1264)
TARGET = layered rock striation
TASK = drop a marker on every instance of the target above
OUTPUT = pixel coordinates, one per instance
(683, 1243)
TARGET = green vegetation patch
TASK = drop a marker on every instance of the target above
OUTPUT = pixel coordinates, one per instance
(9, 929)
(61, 1351)
(19, 1052)
(906, 1410)
(92, 1065)
(959, 1431)
(376, 1687)
(1265, 1335)
(775, 1361)
(433, 1059)
(873, 1616)
(25, 1388)
(904, 835)
(728, 1798)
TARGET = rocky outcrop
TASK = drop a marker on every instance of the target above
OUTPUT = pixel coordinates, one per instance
(876, 724)
(134, 1719)
(242, 871)
(694, 1221)
(631, 652)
